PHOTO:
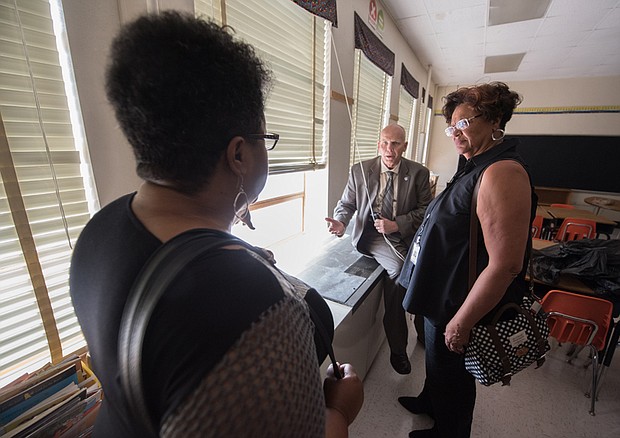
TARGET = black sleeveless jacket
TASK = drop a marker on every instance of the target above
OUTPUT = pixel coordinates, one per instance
(437, 284)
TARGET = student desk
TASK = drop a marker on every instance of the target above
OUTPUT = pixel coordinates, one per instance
(566, 282)
(557, 215)
(606, 203)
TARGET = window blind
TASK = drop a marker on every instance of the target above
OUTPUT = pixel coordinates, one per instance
(370, 109)
(406, 118)
(43, 203)
(425, 117)
(295, 45)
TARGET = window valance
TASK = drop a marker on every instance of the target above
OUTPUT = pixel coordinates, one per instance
(372, 47)
(408, 82)
(321, 8)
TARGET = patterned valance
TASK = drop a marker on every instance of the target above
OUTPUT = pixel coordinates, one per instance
(321, 8)
(408, 82)
(373, 48)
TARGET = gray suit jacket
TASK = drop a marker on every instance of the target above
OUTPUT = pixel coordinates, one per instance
(414, 195)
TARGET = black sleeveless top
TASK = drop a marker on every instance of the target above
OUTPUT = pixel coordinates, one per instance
(437, 284)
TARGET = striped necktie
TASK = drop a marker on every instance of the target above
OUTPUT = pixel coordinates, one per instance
(387, 206)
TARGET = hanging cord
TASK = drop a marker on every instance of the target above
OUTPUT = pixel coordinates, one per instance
(48, 153)
(356, 149)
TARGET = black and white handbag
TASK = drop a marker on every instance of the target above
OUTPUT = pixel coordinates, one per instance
(498, 350)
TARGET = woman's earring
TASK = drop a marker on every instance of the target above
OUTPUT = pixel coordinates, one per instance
(502, 134)
(241, 204)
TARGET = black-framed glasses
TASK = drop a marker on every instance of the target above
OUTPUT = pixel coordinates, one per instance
(460, 125)
(271, 139)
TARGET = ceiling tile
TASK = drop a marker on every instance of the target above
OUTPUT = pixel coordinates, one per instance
(568, 39)
(512, 31)
(510, 11)
(500, 63)
(570, 23)
(611, 20)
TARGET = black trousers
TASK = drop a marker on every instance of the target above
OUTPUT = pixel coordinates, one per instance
(449, 387)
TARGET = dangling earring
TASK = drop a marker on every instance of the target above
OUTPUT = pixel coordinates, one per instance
(241, 211)
(503, 134)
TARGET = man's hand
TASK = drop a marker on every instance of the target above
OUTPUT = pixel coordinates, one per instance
(335, 227)
(385, 226)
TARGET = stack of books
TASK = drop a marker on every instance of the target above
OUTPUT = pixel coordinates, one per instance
(57, 401)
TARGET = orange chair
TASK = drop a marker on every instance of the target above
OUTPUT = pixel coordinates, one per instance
(574, 228)
(562, 206)
(537, 225)
(581, 320)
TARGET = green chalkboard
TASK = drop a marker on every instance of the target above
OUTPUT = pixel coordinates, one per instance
(572, 162)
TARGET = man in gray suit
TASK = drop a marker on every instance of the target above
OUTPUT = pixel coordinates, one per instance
(390, 195)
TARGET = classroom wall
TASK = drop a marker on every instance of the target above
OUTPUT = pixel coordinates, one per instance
(580, 99)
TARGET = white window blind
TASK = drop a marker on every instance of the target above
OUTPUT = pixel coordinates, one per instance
(371, 90)
(43, 204)
(419, 150)
(295, 44)
(425, 116)
(407, 105)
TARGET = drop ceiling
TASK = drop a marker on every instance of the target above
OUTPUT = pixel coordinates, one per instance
(572, 39)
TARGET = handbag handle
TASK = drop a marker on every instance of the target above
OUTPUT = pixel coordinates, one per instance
(473, 242)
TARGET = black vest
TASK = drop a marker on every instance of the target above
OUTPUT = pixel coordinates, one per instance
(437, 284)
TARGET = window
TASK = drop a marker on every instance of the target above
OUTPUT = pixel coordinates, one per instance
(295, 44)
(425, 117)
(407, 106)
(371, 91)
(44, 190)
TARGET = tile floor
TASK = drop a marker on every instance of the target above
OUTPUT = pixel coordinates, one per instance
(544, 402)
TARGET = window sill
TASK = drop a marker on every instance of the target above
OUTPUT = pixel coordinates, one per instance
(333, 267)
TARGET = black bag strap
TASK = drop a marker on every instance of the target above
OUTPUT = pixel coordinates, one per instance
(154, 278)
(157, 274)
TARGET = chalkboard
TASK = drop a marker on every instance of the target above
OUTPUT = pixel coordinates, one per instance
(572, 162)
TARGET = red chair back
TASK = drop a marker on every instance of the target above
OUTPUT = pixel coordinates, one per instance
(574, 228)
(537, 225)
(562, 206)
(575, 318)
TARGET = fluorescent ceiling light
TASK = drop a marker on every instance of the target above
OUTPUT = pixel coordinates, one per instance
(511, 11)
(501, 63)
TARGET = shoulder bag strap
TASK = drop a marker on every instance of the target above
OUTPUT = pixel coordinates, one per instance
(154, 278)
(473, 246)
(473, 235)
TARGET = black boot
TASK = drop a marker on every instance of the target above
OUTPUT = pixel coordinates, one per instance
(416, 405)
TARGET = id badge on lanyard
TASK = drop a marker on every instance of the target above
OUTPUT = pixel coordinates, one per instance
(415, 250)
(415, 246)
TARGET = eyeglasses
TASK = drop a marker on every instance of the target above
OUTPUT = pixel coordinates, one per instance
(460, 125)
(271, 139)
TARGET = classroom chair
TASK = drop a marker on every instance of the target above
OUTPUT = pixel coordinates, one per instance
(537, 225)
(574, 228)
(581, 320)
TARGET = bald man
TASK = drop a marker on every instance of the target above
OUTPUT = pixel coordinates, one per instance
(386, 239)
